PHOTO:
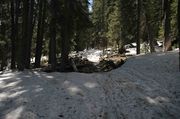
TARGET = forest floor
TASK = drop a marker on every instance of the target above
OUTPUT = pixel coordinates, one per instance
(145, 87)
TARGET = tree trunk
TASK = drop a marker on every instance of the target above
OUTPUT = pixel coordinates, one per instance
(65, 41)
(178, 20)
(19, 57)
(151, 42)
(14, 31)
(40, 32)
(167, 25)
(52, 42)
(2, 49)
(138, 27)
(64, 47)
(22, 44)
(17, 10)
(150, 33)
(13, 38)
(29, 33)
(151, 38)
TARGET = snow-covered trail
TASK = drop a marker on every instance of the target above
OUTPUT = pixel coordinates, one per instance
(145, 87)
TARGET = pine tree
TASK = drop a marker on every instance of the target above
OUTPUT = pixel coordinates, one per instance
(114, 22)
(40, 32)
(128, 21)
(138, 26)
(13, 38)
(152, 15)
(167, 25)
(178, 21)
(53, 31)
(98, 19)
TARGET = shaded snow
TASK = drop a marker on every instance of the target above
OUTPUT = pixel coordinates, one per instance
(145, 87)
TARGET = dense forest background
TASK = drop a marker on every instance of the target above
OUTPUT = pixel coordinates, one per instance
(35, 28)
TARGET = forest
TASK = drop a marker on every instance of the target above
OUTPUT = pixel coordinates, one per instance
(89, 59)
(53, 28)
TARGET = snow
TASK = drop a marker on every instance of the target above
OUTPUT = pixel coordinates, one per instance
(145, 87)
(43, 59)
(92, 55)
(131, 48)
(177, 49)
(134, 44)
(160, 43)
(131, 51)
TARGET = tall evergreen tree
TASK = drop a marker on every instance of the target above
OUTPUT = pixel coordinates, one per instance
(178, 21)
(99, 19)
(40, 32)
(128, 20)
(167, 25)
(13, 38)
(29, 36)
(53, 31)
(113, 22)
(152, 13)
(138, 26)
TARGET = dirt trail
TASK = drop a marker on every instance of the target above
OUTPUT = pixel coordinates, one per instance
(145, 87)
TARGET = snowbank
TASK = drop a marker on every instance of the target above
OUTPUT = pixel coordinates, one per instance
(146, 87)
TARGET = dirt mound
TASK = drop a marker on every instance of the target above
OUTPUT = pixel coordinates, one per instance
(78, 64)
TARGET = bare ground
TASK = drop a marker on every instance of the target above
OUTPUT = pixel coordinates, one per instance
(145, 87)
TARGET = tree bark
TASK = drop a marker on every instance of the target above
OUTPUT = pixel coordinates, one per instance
(40, 32)
(17, 10)
(52, 42)
(167, 25)
(178, 20)
(150, 34)
(64, 47)
(27, 32)
(22, 44)
(2, 50)
(14, 32)
(138, 27)
(13, 38)
(65, 35)
(30, 26)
